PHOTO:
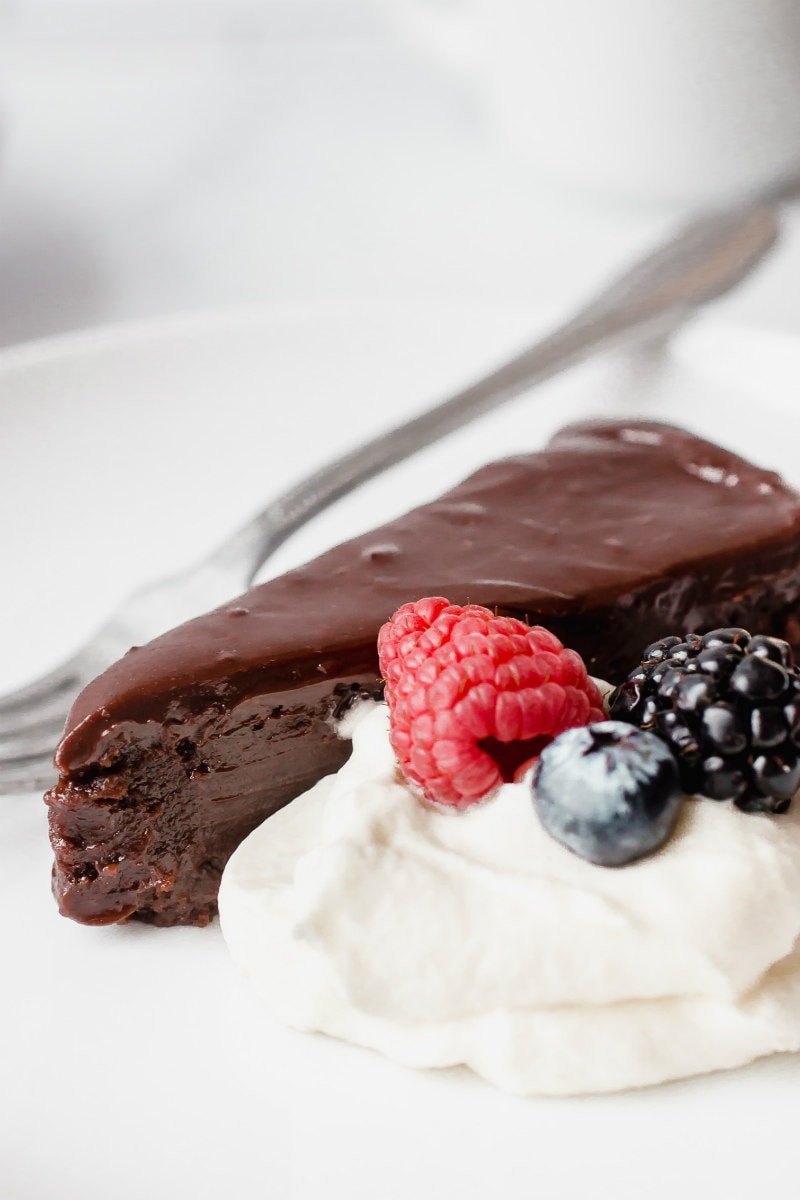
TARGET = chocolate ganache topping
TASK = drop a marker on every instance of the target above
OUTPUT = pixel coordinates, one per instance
(612, 535)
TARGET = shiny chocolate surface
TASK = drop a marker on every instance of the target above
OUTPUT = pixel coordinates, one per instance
(606, 512)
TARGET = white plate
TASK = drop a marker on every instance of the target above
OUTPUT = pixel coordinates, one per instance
(134, 1060)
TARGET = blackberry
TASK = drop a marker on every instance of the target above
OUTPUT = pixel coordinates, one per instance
(728, 706)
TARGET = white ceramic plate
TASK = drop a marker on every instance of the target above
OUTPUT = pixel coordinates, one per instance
(133, 1060)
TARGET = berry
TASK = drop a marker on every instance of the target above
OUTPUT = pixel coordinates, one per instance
(473, 697)
(770, 647)
(723, 728)
(725, 637)
(758, 678)
(728, 706)
(608, 792)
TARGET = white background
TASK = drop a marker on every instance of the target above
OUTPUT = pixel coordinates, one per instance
(158, 157)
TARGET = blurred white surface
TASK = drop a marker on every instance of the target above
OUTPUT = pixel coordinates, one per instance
(157, 158)
(689, 100)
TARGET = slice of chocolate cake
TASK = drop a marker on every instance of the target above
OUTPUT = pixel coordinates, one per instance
(616, 534)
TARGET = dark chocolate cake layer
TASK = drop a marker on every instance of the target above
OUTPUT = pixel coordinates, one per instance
(614, 535)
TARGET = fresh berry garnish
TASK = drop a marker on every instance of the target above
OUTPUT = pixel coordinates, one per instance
(728, 706)
(473, 697)
(611, 793)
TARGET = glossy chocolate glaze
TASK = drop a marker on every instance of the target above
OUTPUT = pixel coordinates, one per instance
(615, 534)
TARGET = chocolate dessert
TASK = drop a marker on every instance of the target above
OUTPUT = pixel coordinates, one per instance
(614, 533)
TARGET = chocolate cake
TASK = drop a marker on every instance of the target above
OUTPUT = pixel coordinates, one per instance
(614, 535)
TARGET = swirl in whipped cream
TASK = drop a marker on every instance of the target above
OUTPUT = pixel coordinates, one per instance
(444, 937)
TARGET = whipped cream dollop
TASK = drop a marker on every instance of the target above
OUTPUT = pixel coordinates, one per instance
(442, 937)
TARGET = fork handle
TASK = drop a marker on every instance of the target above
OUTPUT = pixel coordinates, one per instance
(699, 263)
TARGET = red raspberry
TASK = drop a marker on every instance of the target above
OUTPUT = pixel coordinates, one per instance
(474, 697)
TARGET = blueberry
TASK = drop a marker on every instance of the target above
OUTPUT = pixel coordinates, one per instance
(608, 792)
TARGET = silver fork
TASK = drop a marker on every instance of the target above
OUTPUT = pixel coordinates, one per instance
(699, 263)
